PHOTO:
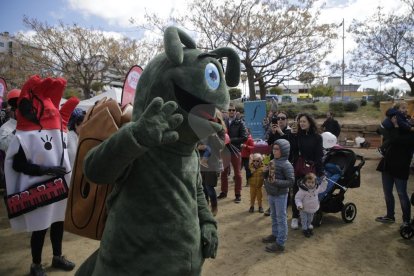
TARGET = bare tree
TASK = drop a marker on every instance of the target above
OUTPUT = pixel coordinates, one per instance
(277, 40)
(385, 46)
(82, 56)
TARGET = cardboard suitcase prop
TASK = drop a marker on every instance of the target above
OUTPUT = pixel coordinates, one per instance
(86, 212)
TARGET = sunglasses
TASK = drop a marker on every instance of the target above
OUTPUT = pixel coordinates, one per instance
(281, 118)
(232, 110)
(256, 160)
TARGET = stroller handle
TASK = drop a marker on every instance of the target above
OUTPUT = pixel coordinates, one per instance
(361, 160)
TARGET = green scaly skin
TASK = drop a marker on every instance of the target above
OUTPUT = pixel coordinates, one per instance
(158, 219)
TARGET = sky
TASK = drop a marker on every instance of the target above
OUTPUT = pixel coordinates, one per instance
(114, 16)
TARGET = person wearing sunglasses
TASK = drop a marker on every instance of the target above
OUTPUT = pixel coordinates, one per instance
(279, 129)
(238, 135)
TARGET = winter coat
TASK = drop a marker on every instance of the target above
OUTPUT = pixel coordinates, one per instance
(308, 198)
(332, 126)
(399, 153)
(249, 147)
(309, 145)
(256, 179)
(237, 133)
(272, 137)
(284, 175)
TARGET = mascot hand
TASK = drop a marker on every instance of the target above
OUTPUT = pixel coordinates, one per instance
(157, 124)
(209, 240)
(56, 170)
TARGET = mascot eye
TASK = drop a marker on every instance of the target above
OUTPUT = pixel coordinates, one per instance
(212, 76)
(47, 141)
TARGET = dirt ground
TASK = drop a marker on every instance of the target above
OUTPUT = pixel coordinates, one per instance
(364, 247)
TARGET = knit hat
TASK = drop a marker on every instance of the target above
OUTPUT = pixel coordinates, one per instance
(38, 105)
(77, 116)
(12, 97)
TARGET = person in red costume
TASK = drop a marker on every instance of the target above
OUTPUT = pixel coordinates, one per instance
(37, 164)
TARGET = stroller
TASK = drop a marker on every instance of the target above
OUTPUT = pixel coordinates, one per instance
(407, 232)
(331, 201)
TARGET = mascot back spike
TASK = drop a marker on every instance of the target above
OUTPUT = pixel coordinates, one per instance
(157, 212)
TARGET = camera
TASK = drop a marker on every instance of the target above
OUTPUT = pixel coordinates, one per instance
(274, 120)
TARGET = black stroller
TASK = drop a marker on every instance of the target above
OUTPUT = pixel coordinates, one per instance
(407, 232)
(350, 177)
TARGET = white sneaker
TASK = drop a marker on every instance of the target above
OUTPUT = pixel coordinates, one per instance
(295, 224)
(310, 227)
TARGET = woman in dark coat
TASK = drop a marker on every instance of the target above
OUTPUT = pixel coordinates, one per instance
(395, 170)
(305, 142)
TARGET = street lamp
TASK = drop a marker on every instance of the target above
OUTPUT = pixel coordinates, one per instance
(343, 58)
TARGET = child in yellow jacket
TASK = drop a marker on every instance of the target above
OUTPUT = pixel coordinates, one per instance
(256, 181)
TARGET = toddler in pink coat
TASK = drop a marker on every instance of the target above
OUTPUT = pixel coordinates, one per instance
(307, 201)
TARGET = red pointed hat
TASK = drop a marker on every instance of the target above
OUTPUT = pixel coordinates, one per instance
(38, 105)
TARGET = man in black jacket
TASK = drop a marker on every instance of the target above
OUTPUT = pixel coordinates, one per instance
(331, 125)
(238, 135)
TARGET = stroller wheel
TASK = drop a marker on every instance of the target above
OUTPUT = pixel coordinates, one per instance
(407, 232)
(349, 212)
(317, 219)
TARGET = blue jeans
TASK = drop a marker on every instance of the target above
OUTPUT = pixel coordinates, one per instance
(209, 182)
(388, 182)
(306, 219)
(278, 212)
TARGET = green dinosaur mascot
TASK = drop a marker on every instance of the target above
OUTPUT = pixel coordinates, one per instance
(158, 219)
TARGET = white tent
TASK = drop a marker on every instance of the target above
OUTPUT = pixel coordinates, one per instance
(114, 93)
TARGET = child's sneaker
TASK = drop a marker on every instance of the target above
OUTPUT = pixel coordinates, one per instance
(310, 227)
(385, 219)
(204, 162)
(261, 210)
(294, 224)
(274, 247)
(251, 210)
(37, 270)
(306, 233)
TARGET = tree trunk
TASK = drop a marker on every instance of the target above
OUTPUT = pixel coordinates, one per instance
(250, 80)
(262, 88)
(411, 84)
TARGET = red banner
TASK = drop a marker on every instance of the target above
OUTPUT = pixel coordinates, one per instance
(130, 84)
(3, 89)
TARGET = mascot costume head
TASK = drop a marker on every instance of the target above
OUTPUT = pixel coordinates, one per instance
(158, 219)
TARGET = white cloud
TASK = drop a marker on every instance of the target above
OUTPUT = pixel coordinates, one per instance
(119, 12)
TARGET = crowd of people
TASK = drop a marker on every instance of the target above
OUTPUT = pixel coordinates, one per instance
(298, 144)
(284, 179)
